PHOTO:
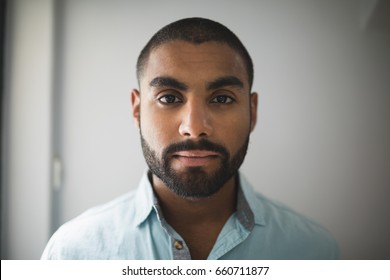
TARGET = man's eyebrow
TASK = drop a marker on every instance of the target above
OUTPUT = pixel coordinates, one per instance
(225, 81)
(168, 82)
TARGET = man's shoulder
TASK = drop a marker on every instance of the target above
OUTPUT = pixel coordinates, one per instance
(277, 212)
(115, 207)
(96, 227)
(296, 231)
(122, 207)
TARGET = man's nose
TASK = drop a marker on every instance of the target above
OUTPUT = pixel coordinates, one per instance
(195, 120)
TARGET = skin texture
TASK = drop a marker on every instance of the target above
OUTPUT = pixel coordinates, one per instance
(193, 92)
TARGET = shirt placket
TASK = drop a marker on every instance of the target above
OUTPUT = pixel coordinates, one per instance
(179, 248)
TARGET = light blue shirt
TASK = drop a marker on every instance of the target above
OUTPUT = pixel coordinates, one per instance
(133, 227)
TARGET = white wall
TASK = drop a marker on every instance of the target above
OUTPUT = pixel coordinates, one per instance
(322, 141)
(27, 124)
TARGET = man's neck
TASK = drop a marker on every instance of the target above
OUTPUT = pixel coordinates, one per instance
(199, 221)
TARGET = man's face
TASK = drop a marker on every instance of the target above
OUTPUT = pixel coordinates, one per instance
(195, 115)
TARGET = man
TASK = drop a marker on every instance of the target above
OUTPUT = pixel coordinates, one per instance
(195, 112)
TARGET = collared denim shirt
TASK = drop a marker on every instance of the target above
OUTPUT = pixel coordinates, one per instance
(133, 227)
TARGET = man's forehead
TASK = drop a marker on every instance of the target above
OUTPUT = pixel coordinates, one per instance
(179, 57)
(176, 48)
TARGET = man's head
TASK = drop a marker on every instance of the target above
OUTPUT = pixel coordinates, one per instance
(194, 107)
(196, 31)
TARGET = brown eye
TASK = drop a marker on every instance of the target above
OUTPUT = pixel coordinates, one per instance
(222, 99)
(169, 99)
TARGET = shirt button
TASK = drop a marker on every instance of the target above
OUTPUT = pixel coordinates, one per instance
(178, 244)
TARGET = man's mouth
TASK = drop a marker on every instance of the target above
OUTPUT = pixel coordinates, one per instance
(196, 153)
(193, 158)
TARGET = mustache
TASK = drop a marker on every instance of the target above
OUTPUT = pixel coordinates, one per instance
(202, 145)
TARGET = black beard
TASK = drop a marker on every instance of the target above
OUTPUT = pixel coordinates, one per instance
(195, 182)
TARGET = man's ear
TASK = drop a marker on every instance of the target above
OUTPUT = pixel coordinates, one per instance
(136, 103)
(253, 104)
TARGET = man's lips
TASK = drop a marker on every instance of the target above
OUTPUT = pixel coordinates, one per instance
(195, 154)
(195, 157)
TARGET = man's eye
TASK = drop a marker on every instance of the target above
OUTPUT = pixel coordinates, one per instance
(169, 99)
(222, 99)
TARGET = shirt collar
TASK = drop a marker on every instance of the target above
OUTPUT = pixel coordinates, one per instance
(249, 211)
(144, 199)
(248, 202)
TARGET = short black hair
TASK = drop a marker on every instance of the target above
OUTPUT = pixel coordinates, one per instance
(197, 31)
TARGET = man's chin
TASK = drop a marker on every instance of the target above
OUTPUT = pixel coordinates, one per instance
(207, 167)
(194, 183)
(191, 171)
